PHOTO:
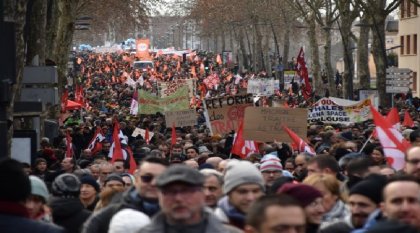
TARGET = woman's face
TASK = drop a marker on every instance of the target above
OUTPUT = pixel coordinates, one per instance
(42, 166)
(377, 156)
(329, 199)
(34, 205)
(315, 211)
(87, 191)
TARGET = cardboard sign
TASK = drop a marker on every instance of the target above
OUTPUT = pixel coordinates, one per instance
(181, 118)
(265, 124)
(169, 87)
(265, 87)
(151, 104)
(227, 118)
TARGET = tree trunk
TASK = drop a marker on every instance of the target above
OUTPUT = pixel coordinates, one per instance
(36, 32)
(363, 55)
(52, 25)
(327, 61)
(313, 43)
(251, 57)
(259, 52)
(18, 14)
(379, 55)
(242, 46)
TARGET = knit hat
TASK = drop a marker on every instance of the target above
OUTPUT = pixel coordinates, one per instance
(305, 194)
(241, 172)
(269, 157)
(371, 187)
(38, 187)
(90, 180)
(128, 220)
(114, 177)
(271, 165)
(66, 185)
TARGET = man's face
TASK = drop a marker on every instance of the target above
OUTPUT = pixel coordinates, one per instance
(300, 162)
(282, 219)
(105, 147)
(127, 181)
(244, 195)
(105, 171)
(360, 207)
(66, 164)
(147, 175)
(119, 167)
(191, 153)
(94, 171)
(313, 169)
(212, 191)
(412, 165)
(271, 176)
(87, 191)
(401, 202)
(176, 151)
(182, 203)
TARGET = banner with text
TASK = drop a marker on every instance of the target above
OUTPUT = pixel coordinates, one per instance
(224, 113)
(265, 124)
(265, 87)
(169, 87)
(181, 118)
(151, 104)
(339, 111)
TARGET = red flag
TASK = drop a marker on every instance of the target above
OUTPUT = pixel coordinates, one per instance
(133, 164)
(391, 139)
(202, 69)
(408, 121)
(95, 145)
(134, 107)
(394, 118)
(242, 147)
(64, 99)
(147, 136)
(173, 135)
(117, 151)
(301, 145)
(303, 73)
(69, 153)
(219, 59)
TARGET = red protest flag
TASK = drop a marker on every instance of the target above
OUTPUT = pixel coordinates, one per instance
(394, 118)
(202, 69)
(391, 140)
(303, 73)
(95, 145)
(194, 74)
(178, 66)
(242, 147)
(69, 148)
(173, 135)
(408, 121)
(117, 152)
(147, 136)
(133, 164)
(301, 145)
(219, 59)
(64, 99)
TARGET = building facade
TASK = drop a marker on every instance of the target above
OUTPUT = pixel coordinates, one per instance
(409, 31)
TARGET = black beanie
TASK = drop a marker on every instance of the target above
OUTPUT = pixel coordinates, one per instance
(371, 187)
(90, 180)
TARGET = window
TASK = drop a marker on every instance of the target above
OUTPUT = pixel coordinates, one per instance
(402, 45)
(408, 9)
(408, 45)
(415, 81)
(415, 44)
(402, 9)
(415, 10)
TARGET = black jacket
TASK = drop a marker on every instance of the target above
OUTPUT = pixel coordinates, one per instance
(18, 224)
(69, 213)
(99, 222)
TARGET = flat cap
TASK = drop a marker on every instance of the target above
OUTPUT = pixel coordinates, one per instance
(180, 173)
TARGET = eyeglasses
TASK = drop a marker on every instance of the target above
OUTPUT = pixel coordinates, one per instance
(182, 191)
(413, 161)
(146, 178)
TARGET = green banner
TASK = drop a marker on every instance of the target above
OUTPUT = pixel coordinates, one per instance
(151, 104)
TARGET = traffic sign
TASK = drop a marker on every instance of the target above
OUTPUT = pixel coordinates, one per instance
(394, 89)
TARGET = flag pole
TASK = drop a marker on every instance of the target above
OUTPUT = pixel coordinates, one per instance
(364, 145)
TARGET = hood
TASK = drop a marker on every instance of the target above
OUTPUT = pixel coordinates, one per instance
(65, 207)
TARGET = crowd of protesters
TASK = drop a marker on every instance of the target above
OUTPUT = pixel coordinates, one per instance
(196, 184)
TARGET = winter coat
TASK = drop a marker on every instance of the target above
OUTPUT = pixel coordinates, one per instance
(69, 213)
(99, 222)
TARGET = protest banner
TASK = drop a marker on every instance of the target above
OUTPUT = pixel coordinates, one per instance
(167, 88)
(266, 124)
(181, 118)
(263, 86)
(142, 132)
(339, 111)
(225, 113)
(151, 104)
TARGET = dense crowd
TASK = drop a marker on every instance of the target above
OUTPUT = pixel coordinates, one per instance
(187, 180)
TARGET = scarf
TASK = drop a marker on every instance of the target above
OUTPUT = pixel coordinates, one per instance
(13, 208)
